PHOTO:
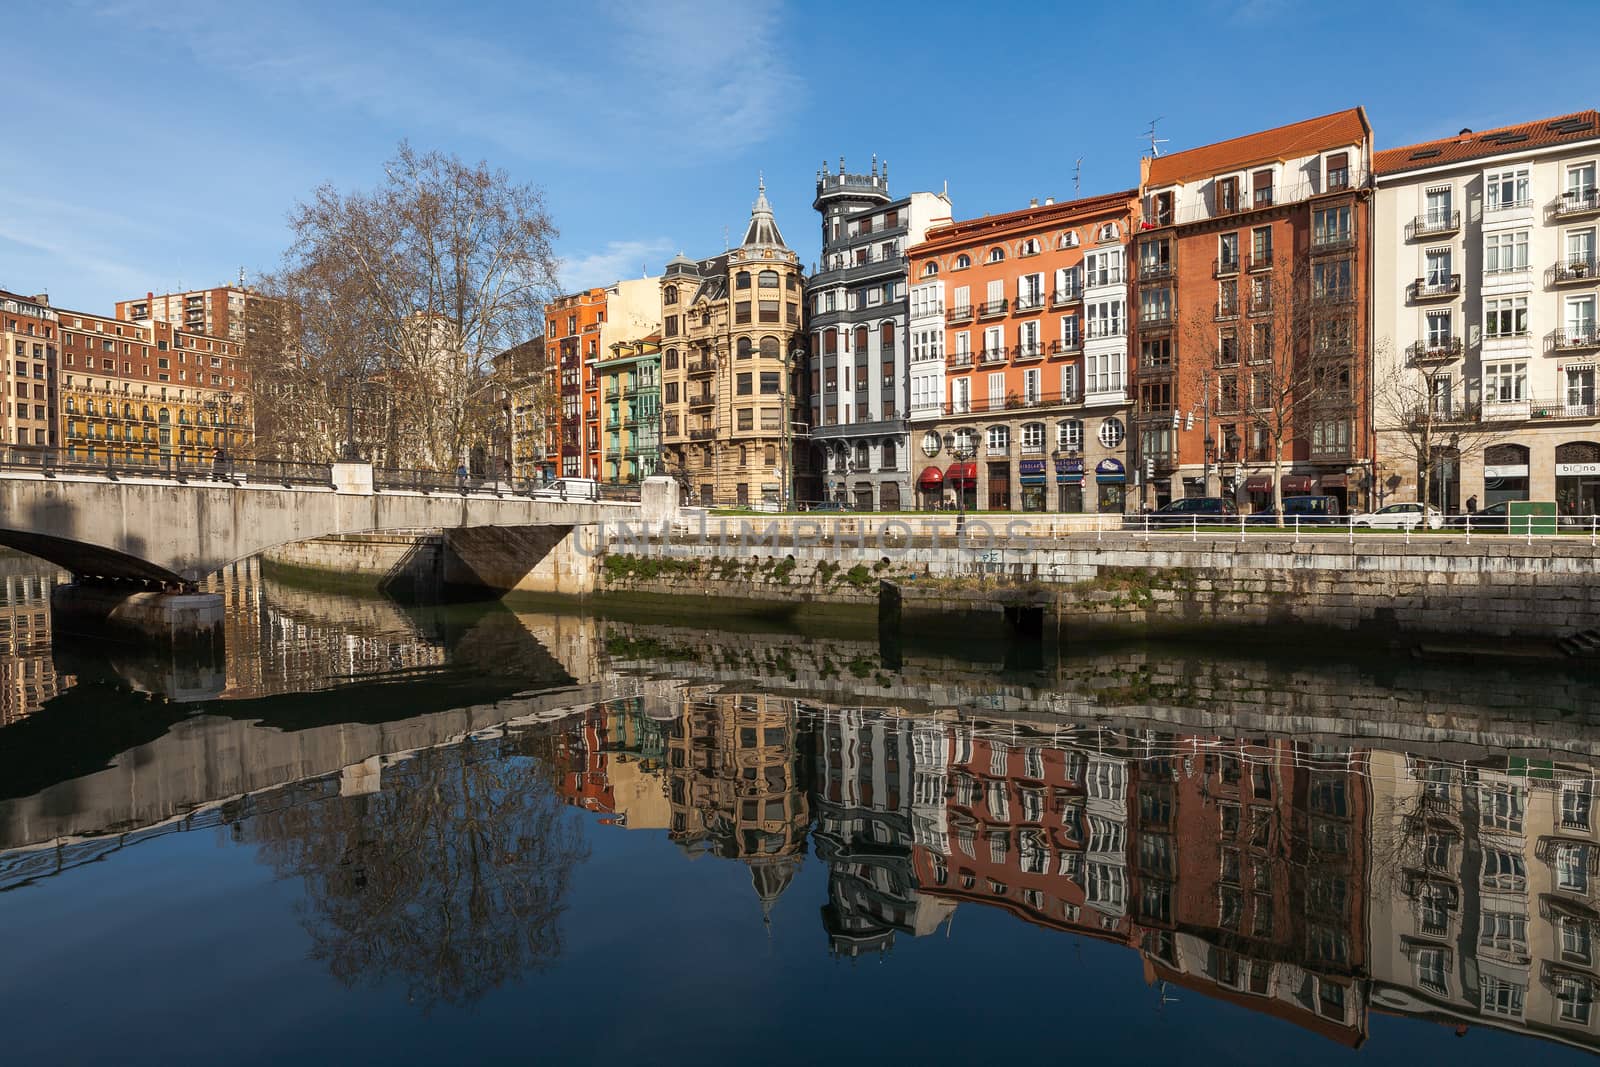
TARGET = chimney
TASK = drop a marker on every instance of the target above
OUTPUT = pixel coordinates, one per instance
(1464, 136)
(1033, 201)
(1049, 200)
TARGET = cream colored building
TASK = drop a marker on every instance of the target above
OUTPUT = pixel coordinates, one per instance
(1484, 891)
(731, 328)
(1486, 286)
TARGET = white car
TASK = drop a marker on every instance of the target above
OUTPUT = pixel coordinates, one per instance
(568, 489)
(1407, 516)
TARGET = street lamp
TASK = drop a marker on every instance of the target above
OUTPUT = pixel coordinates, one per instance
(797, 352)
(963, 449)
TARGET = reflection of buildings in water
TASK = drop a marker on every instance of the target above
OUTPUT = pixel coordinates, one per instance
(572, 639)
(612, 757)
(862, 788)
(28, 674)
(733, 779)
(1485, 894)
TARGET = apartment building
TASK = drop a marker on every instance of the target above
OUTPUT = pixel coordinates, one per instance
(29, 335)
(216, 312)
(731, 378)
(630, 397)
(522, 386)
(858, 318)
(1019, 358)
(1485, 894)
(150, 392)
(572, 347)
(1251, 333)
(1487, 285)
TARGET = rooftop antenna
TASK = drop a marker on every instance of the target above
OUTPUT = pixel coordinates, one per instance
(1077, 177)
(1155, 142)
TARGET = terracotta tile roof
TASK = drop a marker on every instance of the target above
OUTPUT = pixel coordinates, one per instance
(1285, 142)
(1040, 216)
(1578, 126)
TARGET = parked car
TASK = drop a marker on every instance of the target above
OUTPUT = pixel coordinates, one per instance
(1307, 510)
(569, 489)
(1493, 519)
(1191, 510)
(828, 506)
(1405, 516)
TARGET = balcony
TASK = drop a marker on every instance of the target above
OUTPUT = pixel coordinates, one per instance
(1229, 203)
(1573, 270)
(1433, 224)
(1155, 272)
(1260, 303)
(702, 435)
(991, 356)
(1012, 402)
(958, 360)
(1065, 348)
(1575, 339)
(1575, 204)
(1029, 351)
(1537, 408)
(1331, 241)
(1434, 288)
(1226, 310)
(1062, 297)
(702, 402)
(702, 368)
(959, 314)
(1027, 303)
(992, 309)
(1343, 294)
(1158, 318)
(1426, 353)
(1261, 260)
(1223, 268)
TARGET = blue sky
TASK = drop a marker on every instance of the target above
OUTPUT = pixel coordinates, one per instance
(158, 145)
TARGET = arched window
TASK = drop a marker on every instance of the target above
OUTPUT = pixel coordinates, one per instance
(743, 280)
(861, 339)
(672, 359)
(999, 439)
(966, 440)
(886, 338)
(744, 348)
(768, 279)
(930, 269)
(769, 348)
(996, 255)
(1032, 437)
(671, 295)
(963, 261)
(1030, 247)
(1069, 435)
(1069, 239)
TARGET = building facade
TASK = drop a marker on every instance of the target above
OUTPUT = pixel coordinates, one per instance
(1019, 359)
(150, 392)
(572, 347)
(220, 311)
(858, 317)
(1251, 283)
(1488, 281)
(730, 377)
(30, 335)
(630, 391)
(522, 388)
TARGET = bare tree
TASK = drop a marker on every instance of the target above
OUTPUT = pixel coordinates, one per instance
(1421, 406)
(413, 287)
(1283, 346)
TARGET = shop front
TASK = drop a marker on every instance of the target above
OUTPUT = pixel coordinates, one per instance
(1069, 484)
(1000, 487)
(1298, 484)
(1111, 480)
(1506, 470)
(930, 488)
(1258, 490)
(1030, 472)
(962, 478)
(1578, 479)
(1338, 487)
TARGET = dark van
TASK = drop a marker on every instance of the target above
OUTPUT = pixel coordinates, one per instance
(1310, 510)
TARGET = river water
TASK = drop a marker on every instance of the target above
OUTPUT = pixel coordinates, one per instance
(378, 832)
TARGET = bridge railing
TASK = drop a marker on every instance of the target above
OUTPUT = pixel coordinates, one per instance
(53, 461)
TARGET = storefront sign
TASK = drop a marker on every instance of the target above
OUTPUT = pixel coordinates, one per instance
(1509, 471)
(1577, 470)
(1030, 466)
(1109, 471)
(1069, 466)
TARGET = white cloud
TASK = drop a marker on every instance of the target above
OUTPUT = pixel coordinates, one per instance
(616, 261)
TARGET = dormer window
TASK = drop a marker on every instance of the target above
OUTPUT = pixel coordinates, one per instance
(1261, 184)
(1030, 247)
(996, 255)
(1227, 195)
(1338, 169)
(1162, 205)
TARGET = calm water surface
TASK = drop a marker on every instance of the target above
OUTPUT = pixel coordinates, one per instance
(423, 834)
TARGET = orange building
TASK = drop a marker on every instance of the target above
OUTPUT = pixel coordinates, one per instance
(1251, 262)
(215, 312)
(572, 351)
(1029, 376)
(28, 333)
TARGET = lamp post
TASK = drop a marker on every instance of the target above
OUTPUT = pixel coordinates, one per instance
(962, 452)
(797, 351)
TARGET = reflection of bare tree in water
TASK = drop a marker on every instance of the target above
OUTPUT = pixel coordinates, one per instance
(452, 876)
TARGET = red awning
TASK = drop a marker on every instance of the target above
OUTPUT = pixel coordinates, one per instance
(930, 478)
(962, 472)
(1259, 483)
(1297, 483)
(1335, 481)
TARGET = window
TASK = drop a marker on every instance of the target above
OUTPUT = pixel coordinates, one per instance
(1028, 339)
(768, 279)
(1505, 383)
(1439, 330)
(1261, 184)
(1505, 317)
(1104, 372)
(999, 439)
(1572, 868)
(1069, 239)
(1504, 931)
(1228, 251)
(1033, 437)
(1030, 292)
(741, 311)
(1575, 803)
(1105, 319)
(742, 281)
(1501, 805)
(1071, 337)
(996, 255)
(1069, 435)
(1103, 268)
(963, 261)
(742, 384)
(1576, 997)
(1505, 252)
(1507, 189)
(1030, 247)
(1503, 869)
(1501, 997)
(1112, 432)
(771, 382)
(930, 269)
(1575, 938)
(1330, 226)
(1431, 965)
